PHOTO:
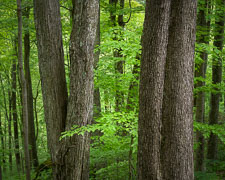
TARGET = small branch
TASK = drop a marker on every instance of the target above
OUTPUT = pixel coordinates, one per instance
(66, 8)
(130, 13)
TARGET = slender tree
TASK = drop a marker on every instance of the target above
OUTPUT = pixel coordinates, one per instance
(216, 77)
(14, 110)
(10, 126)
(32, 139)
(203, 28)
(154, 42)
(2, 147)
(6, 119)
(97, 99)
(24, 91)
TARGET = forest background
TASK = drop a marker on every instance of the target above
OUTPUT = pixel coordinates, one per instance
(114, 141)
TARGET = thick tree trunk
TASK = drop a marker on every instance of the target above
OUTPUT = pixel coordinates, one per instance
(71, 156)
(80, 104)
(32, 140)
(14, 113)
(24, 91)
(154, 44)
(177, 111)
(216, 79)
(52, 72)
(203, 29)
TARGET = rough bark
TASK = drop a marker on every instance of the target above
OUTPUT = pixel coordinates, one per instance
(154, 42)
(216, 79)
(14, 112)
(52, 71)
(177, 111)
(24, 91)
(80, 104)
(71, 156)
(32, 140)
(203, 29)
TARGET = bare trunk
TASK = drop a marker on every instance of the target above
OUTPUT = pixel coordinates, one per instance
(70, 156)
(6, 120)
(15, 116)
(177, 111)
(52, 72)
(154, 42)
(131, 102)
(2, 162)
(24, 91)
(80, 104)
(10, 129)
(32, 140)
(97, 100)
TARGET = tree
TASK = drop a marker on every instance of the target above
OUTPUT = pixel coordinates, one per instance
(52, 72)
(24, 91)
(154, 42)
(2, 147)
(71, 155)
(32, 140)
(203, 28)
(177, 110)
(165, 148)
(14, 109)
(216, 77)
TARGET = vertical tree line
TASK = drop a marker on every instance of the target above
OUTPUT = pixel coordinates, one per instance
(165, 148)
(139, 96)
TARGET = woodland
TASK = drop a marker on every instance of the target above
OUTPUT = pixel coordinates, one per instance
(112, 89)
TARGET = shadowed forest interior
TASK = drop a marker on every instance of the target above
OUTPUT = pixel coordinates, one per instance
(112, 89)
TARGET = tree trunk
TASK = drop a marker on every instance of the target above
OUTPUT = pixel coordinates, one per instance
(6, 120)
(203, 29)
(10, 129)
(24, 91)
(133, 89)
(154, 42)
(177, 111)
(32, 140)
(119, 96)
(131, 102)
(2, 162)
(216, 79)
(97, 100)
(52, 72)
(70, 156)
(80, 104)
(14, 113)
